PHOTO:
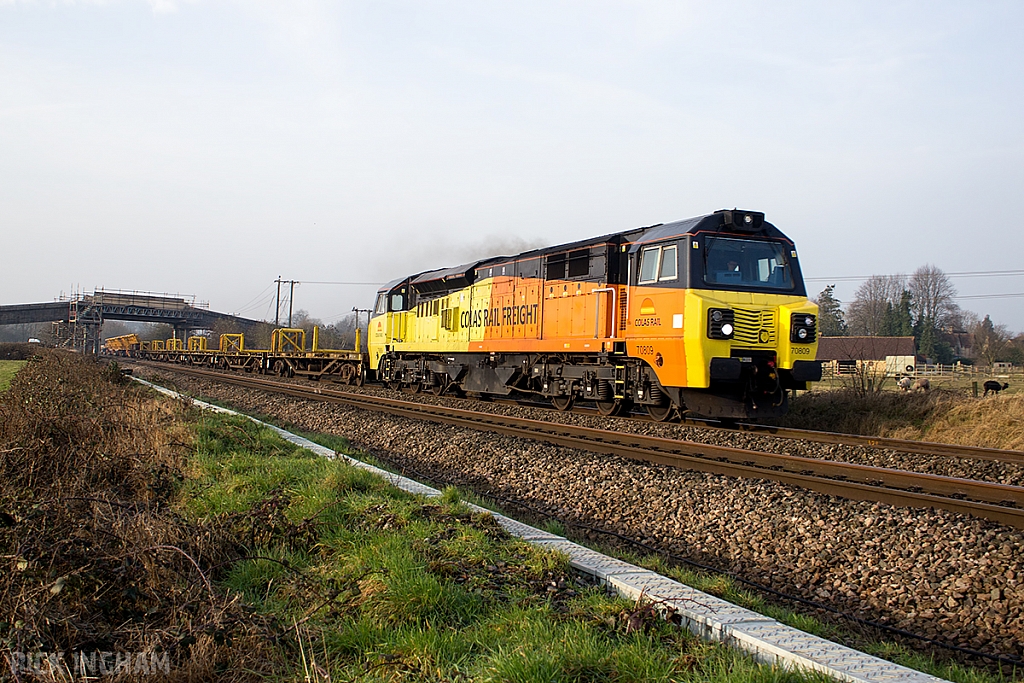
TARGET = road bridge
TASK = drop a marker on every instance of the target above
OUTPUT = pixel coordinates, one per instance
(81, 317)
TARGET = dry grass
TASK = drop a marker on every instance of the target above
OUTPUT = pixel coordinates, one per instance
(94, 557)
(993, 422)
(941, 415)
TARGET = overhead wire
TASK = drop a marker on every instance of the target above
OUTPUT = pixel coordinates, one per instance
(958, 274)
(330, 282)
(258, 304)
(258, 296)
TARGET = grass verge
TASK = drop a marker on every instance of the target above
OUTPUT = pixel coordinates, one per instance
(8, 369)
(940, 415)
(376, 584)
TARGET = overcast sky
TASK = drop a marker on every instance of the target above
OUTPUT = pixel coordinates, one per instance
(206, 147)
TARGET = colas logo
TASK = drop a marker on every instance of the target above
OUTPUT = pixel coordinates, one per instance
(647, 314)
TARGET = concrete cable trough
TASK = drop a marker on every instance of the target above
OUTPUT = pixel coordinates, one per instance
(709, 617)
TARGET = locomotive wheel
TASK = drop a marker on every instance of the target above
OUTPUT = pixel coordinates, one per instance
(611, 408)
(440, 384)
(660, 413)
(562, 403)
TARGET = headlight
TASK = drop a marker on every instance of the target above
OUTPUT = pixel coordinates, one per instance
(720, 323)
(802, 328)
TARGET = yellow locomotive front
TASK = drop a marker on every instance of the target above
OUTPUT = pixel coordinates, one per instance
(717, 307)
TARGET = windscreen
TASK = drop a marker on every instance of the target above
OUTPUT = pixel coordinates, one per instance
(747, 264)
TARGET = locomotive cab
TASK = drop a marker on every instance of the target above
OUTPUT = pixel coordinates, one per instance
(742, 330)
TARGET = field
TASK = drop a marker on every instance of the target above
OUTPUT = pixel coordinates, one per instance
(8, 369)
(201, 546)
(947, 415)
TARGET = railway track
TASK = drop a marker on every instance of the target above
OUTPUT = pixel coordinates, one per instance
(997, 502)
(900, 445)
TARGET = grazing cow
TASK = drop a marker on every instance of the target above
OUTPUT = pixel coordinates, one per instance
(921, 385)
(995, 387)
(904, 383)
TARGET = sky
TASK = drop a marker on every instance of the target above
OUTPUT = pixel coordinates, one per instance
(208, 147)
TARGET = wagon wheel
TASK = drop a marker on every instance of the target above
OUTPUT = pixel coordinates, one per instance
(279, 368)
(413, 388)
(660, 413)
(441, 383)
(563, 403)
(360, 377)
(347, 374)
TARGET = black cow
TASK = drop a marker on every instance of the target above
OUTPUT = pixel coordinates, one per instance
(995, 387)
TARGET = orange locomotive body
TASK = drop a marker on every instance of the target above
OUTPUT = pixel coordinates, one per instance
(707, 316)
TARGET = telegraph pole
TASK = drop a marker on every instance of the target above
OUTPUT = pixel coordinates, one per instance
(291, 298)
(277, 311)
(367, 311)
(291, 293)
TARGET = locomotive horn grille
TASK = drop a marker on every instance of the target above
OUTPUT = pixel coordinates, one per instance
(754, 328)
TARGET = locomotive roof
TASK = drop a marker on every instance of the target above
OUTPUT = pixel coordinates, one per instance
(731, 221)
(466, 274)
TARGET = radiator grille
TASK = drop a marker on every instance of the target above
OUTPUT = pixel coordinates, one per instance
(623, 308)
(754, 328)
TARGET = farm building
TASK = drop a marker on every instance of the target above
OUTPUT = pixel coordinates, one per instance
(889, 355)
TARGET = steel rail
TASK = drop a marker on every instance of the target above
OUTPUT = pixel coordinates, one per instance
(997, 502)
(901, 445)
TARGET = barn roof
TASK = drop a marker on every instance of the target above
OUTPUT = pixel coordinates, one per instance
(864, 348)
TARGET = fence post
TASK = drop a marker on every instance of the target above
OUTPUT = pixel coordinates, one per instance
(974, 388)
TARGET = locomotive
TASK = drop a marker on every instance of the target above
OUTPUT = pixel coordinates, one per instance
(707, 316)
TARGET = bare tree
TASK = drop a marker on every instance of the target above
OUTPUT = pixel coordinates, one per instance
(990, 340)
(866, 313)
(934, 296)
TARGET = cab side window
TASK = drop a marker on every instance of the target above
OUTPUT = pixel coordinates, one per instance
(381, 307)
(649, 264)
(669, 264)
(659, 264)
